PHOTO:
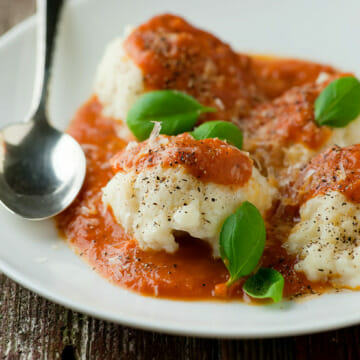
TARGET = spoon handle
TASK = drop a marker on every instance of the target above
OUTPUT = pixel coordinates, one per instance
(48, 14)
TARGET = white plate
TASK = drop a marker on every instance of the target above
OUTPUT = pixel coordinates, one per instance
(31, 252)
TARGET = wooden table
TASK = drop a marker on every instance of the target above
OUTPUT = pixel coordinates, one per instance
(34, 328)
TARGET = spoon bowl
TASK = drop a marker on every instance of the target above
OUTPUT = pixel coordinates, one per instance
(41, 169)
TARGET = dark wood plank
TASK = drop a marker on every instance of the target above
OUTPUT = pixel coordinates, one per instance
(13, 11)
(282, 348)
(340, 344)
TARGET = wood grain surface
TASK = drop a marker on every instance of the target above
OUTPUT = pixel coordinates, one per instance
(34, 328)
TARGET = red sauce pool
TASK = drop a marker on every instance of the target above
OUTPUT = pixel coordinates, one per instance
(190, 273)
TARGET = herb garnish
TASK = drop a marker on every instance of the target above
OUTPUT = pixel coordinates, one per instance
(339, 103)
(219, 129)
(242, 241)
(176, 111)
(266, 283)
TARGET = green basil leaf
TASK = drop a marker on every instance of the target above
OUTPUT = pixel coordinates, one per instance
(339, 103)
(266, 283)
(222, 130)
(176, 111)
(242, 241)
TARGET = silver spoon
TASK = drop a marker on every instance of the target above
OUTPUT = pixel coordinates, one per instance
(41, 168)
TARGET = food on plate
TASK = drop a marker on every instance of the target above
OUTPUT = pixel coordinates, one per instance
(214, 174)
(327, 237)
(169, 184)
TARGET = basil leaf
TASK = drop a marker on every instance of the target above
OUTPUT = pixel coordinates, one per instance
(266, 283)
(176, 111)
(222, 130)
(339, 103)
(242, 241)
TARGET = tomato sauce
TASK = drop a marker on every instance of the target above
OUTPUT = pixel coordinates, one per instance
(275, 75)
(190, 273)
(209, 160)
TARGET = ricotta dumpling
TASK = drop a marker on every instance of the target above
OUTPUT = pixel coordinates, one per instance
(327, 238)
(168, 53)
(168, 185)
